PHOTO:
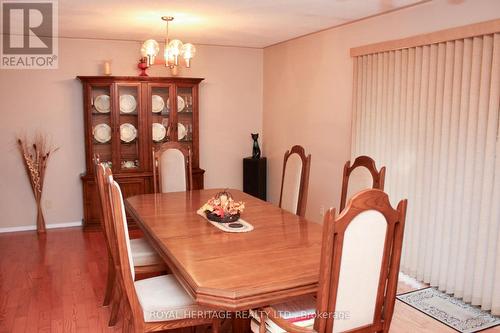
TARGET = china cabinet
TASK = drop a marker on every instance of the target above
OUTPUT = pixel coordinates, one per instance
(125, 118)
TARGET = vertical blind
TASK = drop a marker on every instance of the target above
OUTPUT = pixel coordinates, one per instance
(431, 115)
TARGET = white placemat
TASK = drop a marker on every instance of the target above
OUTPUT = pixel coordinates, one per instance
(224, 226)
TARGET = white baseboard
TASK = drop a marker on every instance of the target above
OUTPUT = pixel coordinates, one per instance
(48, 226)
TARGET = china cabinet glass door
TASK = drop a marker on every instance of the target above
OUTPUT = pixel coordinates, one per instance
(184, 115)
(172, 110)
(128, 106)
(101, 105)
(161, 113)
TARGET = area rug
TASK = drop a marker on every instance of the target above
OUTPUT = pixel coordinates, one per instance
(450, 311)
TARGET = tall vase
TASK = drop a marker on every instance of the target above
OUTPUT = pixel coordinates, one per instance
(40, 220)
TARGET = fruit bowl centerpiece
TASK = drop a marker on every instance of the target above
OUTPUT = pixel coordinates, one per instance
(222, 208)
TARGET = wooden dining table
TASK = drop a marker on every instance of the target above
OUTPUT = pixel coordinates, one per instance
(276, 261)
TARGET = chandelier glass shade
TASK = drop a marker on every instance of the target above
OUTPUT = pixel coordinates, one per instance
(174, 48)
(174, 52)
(149, 50)
(188, 51)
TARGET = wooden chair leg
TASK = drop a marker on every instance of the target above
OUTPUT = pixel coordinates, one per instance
(108, 295)
(115, 309)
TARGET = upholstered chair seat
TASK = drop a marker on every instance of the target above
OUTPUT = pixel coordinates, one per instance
(143, 254)
(163, 298)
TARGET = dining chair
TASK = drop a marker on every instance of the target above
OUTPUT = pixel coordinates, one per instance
(172, 168)
(295, 180)
(361, 175)
(358, 274)
(158, 303)
(145, 258)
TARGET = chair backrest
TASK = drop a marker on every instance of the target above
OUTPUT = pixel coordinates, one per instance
(101, 173)
(295, 180)
(172, 168)
(124, 264)
(360, 264)
(359, 176)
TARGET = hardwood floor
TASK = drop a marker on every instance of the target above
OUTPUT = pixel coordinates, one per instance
(55, 283)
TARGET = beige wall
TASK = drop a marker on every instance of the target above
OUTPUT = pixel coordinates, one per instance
(308, 88)
(51, 100)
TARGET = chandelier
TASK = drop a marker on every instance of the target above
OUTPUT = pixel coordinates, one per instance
(175, 53)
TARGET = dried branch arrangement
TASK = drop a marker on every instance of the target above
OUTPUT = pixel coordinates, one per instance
(35, 157)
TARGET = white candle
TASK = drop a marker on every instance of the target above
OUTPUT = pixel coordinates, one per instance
(174, 71)
(107, 68)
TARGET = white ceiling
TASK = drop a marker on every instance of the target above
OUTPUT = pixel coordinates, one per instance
(249, 23)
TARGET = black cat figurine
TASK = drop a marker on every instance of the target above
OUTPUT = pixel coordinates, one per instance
(255, 148)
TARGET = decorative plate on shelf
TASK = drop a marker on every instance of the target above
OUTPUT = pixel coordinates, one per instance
(127, 132)
(157, 103)
(127, 103)
(159, 132)
(181, 131)
(102, 103)
(181, 104)
(102, 133)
